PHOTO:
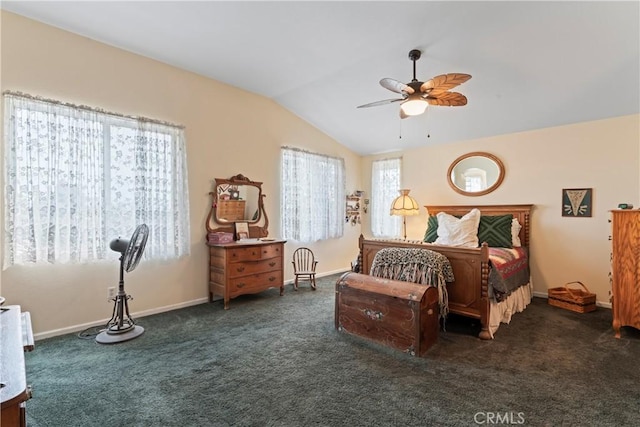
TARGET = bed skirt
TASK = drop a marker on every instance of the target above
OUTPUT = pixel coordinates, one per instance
(516, 302)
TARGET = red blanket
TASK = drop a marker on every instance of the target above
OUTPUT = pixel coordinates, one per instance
(509, 270)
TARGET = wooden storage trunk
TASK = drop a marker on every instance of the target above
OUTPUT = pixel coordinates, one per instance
(400, 315)
(578, 300)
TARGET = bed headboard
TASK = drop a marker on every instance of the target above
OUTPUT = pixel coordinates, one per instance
(521, 212)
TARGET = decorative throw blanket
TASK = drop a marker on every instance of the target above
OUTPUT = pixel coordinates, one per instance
(422, 266)
(509, 270)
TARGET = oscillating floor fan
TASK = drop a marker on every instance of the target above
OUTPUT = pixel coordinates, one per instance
(121, 327)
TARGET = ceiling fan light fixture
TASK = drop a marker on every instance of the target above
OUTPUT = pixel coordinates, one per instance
(415, 93)
(414, 106)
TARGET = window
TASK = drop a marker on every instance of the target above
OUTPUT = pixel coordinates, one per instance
(385, 183)
(475, 179)
(76, 178)
(312, 202)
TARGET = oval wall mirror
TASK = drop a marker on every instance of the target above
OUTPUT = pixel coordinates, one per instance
(475, 174)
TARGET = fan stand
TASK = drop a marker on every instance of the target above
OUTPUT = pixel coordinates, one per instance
(121, 327)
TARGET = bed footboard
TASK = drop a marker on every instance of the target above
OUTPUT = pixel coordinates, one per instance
(468, 293)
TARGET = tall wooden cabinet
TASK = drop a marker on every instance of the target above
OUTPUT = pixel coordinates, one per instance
(245, 267)
(625, 269)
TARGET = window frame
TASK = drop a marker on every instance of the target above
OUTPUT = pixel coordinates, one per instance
(387, 226)
(312, 209)
(73, 252)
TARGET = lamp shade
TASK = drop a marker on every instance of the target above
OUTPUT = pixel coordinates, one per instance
(414, 105)
(405, 205)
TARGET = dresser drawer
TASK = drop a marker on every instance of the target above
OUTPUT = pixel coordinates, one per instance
(271, 251)
(217, 275)
(240, 269)
(252, 253)
(255, 283)
(245, 267)
(217, 257)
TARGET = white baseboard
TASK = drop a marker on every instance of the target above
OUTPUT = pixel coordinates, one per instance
(79, 328)
(318, 275)
(102, 322)
(544, 295)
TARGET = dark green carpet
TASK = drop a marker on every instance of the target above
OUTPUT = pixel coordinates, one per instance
(278, 361)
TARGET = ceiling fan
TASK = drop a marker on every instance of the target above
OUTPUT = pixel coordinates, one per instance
(416, 95)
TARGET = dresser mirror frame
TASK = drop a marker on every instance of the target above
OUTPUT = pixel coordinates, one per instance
(258, 227)
(482, 162)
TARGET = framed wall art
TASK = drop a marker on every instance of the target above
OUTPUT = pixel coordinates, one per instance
(577, 202)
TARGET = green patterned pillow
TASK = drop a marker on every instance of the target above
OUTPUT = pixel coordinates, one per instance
(431, 234)
(496, 231)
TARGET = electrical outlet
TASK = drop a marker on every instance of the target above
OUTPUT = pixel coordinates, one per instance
(111, 293)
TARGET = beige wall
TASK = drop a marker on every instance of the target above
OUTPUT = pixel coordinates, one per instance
(603, 155)
(223, 122)
(229, 131)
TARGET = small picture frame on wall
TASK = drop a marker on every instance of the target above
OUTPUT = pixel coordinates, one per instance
(577, 202)
(242, 230)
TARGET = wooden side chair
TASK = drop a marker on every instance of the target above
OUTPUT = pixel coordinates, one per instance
(304, 267)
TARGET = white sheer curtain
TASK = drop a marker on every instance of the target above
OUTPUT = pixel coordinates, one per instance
(385, 183)
(148, 184)
(75, 178)
(312, 196)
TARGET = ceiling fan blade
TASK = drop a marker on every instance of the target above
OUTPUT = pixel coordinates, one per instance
(396, 86)
(443, 83)
(384, 102)
(447, 99)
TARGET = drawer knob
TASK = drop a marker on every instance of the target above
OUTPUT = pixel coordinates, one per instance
(272, 263)
(271, 279)
(240, 285)
(240, 269)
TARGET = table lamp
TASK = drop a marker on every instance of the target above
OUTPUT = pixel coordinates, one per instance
(404, 205)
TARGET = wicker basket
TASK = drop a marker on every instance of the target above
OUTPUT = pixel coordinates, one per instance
(578, 300)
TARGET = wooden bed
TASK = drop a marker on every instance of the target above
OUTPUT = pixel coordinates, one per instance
(469, 293)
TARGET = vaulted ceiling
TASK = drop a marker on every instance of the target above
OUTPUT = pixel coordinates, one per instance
(534, 64)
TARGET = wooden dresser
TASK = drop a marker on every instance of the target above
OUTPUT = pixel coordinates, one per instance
(231, 210)
(16, 337)
(245, 267)
(625, 269)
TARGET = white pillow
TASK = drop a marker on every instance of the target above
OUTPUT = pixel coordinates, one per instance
(458, 232)
(515, 233)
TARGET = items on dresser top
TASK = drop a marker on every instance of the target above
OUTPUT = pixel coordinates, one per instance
(245, 267)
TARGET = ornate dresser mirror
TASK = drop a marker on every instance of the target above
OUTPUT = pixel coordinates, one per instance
(475, 174)
(238, 199)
